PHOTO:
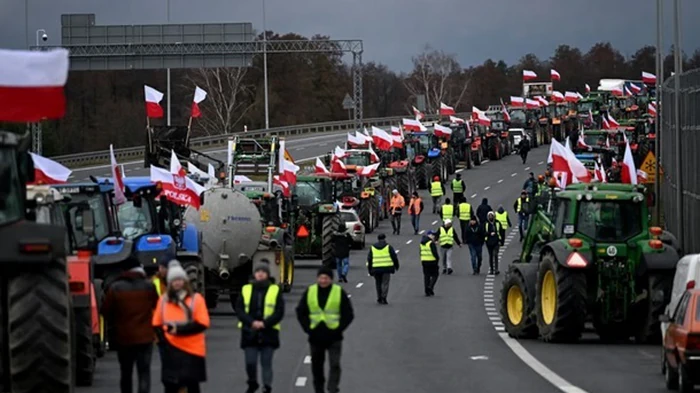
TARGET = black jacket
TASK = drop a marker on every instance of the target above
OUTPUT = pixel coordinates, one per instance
(455, 237)
(433, 247)
(471, 212)
(267, 337)
(322, 335)
(464, 187)
(483, 210)
(495, 228)
(342, 242)
(389, 269)
(474, 235)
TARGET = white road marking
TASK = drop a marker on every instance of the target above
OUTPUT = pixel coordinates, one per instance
(459, 170)
(485, 292)
(487, 188)
(485, 161)
(397, 251)
(492, 313)
(500, 181)
(409, 242)
(494, 319)
(307, 359)
(489, 304)
(422, 231)
(513, 174)
(540, 163)
(497, 323)
(500, 328)
(434, 222)
(301, 382)
(527, 168)
(537, 366)
(488, 296)
(474, 196)
(490, 309)
(349, 295)
(300, 148)
(479, 357)
(359, 285)
(322, 144)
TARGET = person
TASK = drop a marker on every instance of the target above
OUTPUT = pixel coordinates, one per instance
(524, 148)
(397, 205)
(615, 175)
(465, 213)
(540, 186)
(474, 238)
(530, 185)
(447, 211)
(382, 262)
(522, 209)
(430, 260)
(503, 218)
(415, 208)
(159, 278)
(437, 190)
(260, 309)
(180, 320)
(128, 306)
(482, 210)
(447, 238)
(458, 189)
(325, 312)
(492, 231)
(342, 242)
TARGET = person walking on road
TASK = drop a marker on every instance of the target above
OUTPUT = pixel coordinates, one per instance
(492, 231)
(447, 211)
(437, 190)
(180, 320)
(458, 189)
(260, 309)
(430, 260)
(503, 218)
(342, 242)
(415, 208)
(447, 238)
(465, 213)
(324, 312)
(159, 279)
(482, 211)
(128, 306)
(382, 262)
(524, 148)
(522, 209)
(474, 238)
(397, 205)
(530, 185)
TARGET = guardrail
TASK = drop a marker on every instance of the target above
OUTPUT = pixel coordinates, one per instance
(202, 143)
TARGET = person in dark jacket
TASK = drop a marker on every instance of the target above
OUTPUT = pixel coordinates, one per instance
(483, 210)
(342, 241)
(128, 306)
(474, 239)
(430, 260)
(382, 262)
(492, 230)
(530, 185)
(522, 209)
(260, 309)
(325, 336)
(524, 148)
(504, 219)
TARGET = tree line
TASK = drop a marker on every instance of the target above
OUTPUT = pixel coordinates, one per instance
(108, 106)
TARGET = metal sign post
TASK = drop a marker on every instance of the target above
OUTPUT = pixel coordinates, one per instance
(349, 104)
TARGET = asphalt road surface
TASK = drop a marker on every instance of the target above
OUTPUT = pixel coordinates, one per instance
(451, 343)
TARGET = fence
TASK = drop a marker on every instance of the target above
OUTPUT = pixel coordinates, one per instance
(687, 229)
(203, 143)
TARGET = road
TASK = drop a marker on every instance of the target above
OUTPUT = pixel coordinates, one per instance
(453, 342)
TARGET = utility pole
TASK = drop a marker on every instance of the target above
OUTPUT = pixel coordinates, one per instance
(678, 66)
(267, 107)
(659, 83)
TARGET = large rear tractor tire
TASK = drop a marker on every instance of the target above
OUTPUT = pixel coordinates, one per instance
(84, 359)
(518, 301)
(403, 185)
(494, 148)
(329, 227)
(39, 344)
(658, 287)
(422, 176)
(561, 301)
(478, 157)
(436, 169)
(364, 211)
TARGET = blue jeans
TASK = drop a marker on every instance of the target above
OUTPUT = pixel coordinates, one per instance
(251, 364)
(415, 221)
(343, 265)
(476, 254)
(522, 224)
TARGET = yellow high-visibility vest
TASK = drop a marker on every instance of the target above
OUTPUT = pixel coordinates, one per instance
(447, 212)
(436, 189)
(520, 204)
(270, 301)
(330, 314)
(381, 258)
(426, 253)
(156, 282)
(457, 186)
(503, 219)
(465, 211)
(447, 237)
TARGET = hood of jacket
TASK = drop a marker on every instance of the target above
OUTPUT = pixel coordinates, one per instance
(485, 201)
(380, 244)
(425, 239)
(501, 209)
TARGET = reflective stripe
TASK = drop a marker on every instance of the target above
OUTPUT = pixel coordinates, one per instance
(457, 186)
(189, 312)
(381, 258)
(156, 282)
(520, 204)
(270, 301)
(447, 237)
(436, 189)
(330, 314)
(465, 211)
(426, 253)
(503, 219)
(447, 212)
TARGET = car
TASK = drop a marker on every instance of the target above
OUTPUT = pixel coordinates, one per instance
(681, 345)
(354, 226)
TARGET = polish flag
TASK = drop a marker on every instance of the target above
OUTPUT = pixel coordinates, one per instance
(175, 166)
(555, 75)
(397, 136)
(446, 110)
(564, 162)
(600, 173)
(607, 139)
(441, 131)
(581, 143)
(529, 75)
(635, 89)
(153, 99)
(419, 115)
(238, 179)
(570, 96)
(557, 96)
(412, 125)
(628, 93)
(199, 96)
(580, 97)
(355, 139)
(320, 167)
(338, 166)
(532, 104)
(642, 176)
(48, 171)
(504, 110)
(283, 184)
(543, 101)
(613, 123)
(517, 101)
(117, 179)
(381, 139)
(456, 120)
(178, 188)
(367, 171)
(651, 109)
(648, 78)
(606, 125)
(480, 117)
(617, 92)
(374, 157)
(289, 172)
(365, 134)
(339, 153)
(628, 173)
(588, 88)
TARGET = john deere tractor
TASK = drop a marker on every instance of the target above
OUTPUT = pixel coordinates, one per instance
(317, 219)
(595, 259)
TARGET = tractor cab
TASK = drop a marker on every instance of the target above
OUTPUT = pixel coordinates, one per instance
(317, 218)
(162, 141)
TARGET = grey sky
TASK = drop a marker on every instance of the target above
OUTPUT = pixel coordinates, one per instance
(393, 30)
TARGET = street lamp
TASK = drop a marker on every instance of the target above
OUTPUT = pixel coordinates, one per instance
(267, 108)
(44, 36)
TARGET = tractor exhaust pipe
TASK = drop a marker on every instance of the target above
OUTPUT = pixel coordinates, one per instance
(224, 273)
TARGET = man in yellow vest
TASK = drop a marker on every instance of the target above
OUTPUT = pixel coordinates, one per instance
(260, 309)
(324, 312)
(465, 213)
(447, 211)
(522, 209)
(158, 279)
(430, 260)
(382, 262)
(458, 189)
(437, 190)
(503, 218)
(447, 237)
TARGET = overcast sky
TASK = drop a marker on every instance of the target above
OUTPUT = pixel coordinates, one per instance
(392, 30)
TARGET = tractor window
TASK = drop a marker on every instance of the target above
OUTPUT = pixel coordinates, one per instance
(609, 221)
(269, 212)
(584, 107)
(424, 141)
(517, 116)
(308, 193)
(10, 190)
(357, 159)
(97, 205)
(559, 210)
(594, 139)
(135, 221)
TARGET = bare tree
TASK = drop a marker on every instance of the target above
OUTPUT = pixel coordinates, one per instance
(435, 75)
(228, 98)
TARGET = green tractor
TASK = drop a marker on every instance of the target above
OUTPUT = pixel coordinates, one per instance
(590, 257)
(317, 218)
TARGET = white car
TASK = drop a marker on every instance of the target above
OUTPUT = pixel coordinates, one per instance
(354, 226)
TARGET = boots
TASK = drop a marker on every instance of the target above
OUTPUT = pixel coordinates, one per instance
(252, 387)
(267, 389)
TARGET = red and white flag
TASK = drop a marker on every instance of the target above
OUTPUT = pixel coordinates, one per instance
(339, 153)
(543, 101)
(634, 88)
(651, 109)
(517, 101)
(367, 171)
(456, 120)
(178, 188)
(590, 117)
(356, 139)
(397, 136)
(199, 96)
(48, 171)
(153, 99)
(31, 85)
(321, 167)
(565, 163)
(480, 117)
(628, 93)
(446, 110)
(612, 122)
(412, 125)
(238, 179)
(642, 176)
(504, 110)
(606, 125)
(381, 139)
(588, 88)
(175, 166)
(374, 157)
(419, 115)
(338, 166)
(555, 75)
(289, 171)
(617, 91)
(286, 191)
(529, 75)
(600, 173)
(581, 143)
(117, 179)
(571, 96)
(628, 173)
(442, 131)
(532, 104)
(557, 96)
(648, 78)
(365, 134)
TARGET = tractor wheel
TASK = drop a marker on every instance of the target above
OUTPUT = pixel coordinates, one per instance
(436, 169)
(518, 301)
(422, 176)
(450, 160)
(195, 274)
(658, 288)
(84, 360)
(478, 157)
(561, 301)
(469, 160)
(39, 344)
(492, 146)
(403, 185)
(363, 211)
(329, 227)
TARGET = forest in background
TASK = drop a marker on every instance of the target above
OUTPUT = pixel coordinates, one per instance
(108, 107)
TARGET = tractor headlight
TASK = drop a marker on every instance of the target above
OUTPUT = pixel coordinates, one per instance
(176, 222)
(579, 197)
(589, 197)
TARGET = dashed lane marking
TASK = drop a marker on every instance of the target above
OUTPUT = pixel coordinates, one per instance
(397, 251)
(487, 188)
(359, 285)
(527, 168)
(349, 295)
(300, 382)
(485, 161)
(540, 163)
(487, 292)
(422, 231)
(435, 222)
(490, 309)
(494, 319)
(474, 196)
(500, 181)
(300, 148)
(409, 242)
(459, 170)
(500, 328)
(513, 174)
(323, 144)
(492, 313)
(307, 359)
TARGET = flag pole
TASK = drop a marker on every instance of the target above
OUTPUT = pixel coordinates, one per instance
(189, 130)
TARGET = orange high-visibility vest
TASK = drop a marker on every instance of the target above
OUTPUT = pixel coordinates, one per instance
(167, 312)
(415, 205)
(397, 203)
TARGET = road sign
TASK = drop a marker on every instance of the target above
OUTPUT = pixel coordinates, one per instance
(288, 156)
(649, 166)
(348, 102)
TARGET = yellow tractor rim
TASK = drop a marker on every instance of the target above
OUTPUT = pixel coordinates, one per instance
(549, 297)
(290, 273)
(514, 305)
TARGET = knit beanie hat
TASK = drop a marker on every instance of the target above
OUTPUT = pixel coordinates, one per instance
(175, 271)
(326, 271)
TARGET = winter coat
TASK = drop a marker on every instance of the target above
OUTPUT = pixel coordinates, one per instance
(321, 335)
(267, 337)
(389, 269)
(492, 231)
(474, 235)
(342, 242)
(483, 210)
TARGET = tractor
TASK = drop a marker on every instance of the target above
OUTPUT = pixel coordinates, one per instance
(500, 126)
(373, 193)
(461, 142)
(162, 141)
(317, 219)
(422, 149)
(527, 120)
(591, 258)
